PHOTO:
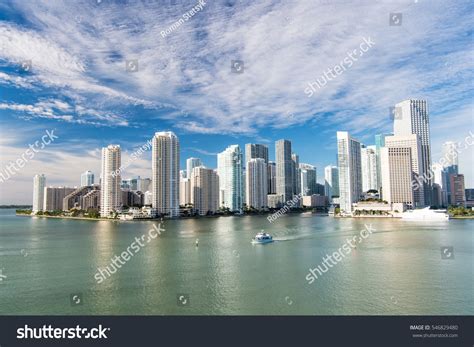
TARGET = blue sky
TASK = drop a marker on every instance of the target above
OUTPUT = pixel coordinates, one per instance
(78, 84)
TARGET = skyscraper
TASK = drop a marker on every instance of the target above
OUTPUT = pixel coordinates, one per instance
(87, 179)
(331, 181)
(110, 195)
(255, 150)
(450, 152)
(54, 196)
(191, 163)
(284, 170)
(349, 163)
(396, 164)
(458, 193)
(412, 118)
(379, 143)
(39, 182)
(412, 141)
(368, 157)
(229, 170)
(256, 188)
(271, 177)
(308, 179)
(295, 158)
(165, 174)
(204, 190)
(440, 178)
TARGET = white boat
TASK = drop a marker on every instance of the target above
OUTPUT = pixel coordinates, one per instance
(262, 238)
(425, 214)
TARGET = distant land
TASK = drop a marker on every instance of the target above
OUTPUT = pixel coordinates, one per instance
(16, 206)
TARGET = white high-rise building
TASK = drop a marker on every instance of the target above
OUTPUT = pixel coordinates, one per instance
(229, 170)
(256, 189)
(350, 180)
(396, 166)
(411, 141)
(204, 189)
(331, 181)
(412, 118)
(184, 191)
(368, 156)
(165, 174)
(87, 179)
(39, 181)
(110, 195)
(191, 163)
(284, 170)
(450, 152)
(308, 179)
(148, 198)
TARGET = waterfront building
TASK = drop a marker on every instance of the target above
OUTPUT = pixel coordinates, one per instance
(284, 170)
(54, 196)
(271, 177)
(379, 143)
(458, 194)
(184, 191)
(296, 175)
(75, 199)
(111, 197)
(349, 164)
(331, 182)
(165, 174)
(413, 118)
(412, 141)
(450, 153)
(229, 170)
(204, 188)
(256, 187)
(308, 179)
(191, 163)
(315, 200)
(39, 182)
(368, 156)
(397, 175)
(275, 200)
(87, 178)
(91, 200)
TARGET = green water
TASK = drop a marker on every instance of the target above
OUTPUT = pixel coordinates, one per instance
(396, 270)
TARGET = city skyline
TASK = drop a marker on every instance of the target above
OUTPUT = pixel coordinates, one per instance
(78, 85)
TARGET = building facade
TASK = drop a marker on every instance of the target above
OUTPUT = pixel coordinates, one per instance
(229, 170)
(39, 182)
(87, 178)
(350, 172)
(397, 175)
(204, 189)
(111, 196)
(256, 187)
(165, 174)
(412, 118)
(284, 170)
